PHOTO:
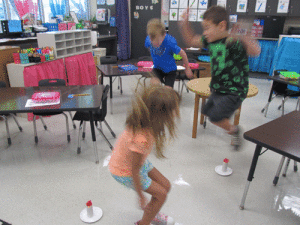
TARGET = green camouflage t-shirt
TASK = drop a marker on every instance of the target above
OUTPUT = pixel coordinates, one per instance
(229, 66)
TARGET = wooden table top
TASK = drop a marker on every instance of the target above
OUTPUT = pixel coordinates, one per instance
(200, 86)
(281, 135)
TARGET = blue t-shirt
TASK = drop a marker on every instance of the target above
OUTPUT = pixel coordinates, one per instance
(163, 55)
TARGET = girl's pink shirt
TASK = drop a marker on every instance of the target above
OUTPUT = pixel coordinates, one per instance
(121, 160)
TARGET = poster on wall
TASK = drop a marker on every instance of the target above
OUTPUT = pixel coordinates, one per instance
(260, 6)
(101, 2)
(283, 6)
(174, 4)
(222, 3)
(193, 4)
(242, 6)
(200, 14)
(100, 14)
(202, 4)
(110, 2)
(173, 15)
(180, 14)
(193, 15)
(183, 4)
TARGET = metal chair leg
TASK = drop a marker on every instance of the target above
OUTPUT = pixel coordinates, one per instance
(20, 128)
(278, 171)
(286, 167)
(107, 141)
(295, 166)
(282, 106)
(43, 122)
(74, 126)
(111, 131)
(120, 78)
(298, 103)
(83, 133)
(265, 109)
(34, 129)
(79, 138)
(67, 124)
(7, 129)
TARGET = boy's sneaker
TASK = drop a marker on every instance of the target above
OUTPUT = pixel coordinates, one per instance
(137, 223)
(236, 139)
(161, 219)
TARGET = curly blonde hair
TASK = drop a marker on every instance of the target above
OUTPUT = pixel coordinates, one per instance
(156, 107)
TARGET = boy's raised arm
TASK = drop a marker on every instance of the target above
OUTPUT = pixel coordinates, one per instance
(189, 37)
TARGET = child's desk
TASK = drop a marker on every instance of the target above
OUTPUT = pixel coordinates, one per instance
(201, 89)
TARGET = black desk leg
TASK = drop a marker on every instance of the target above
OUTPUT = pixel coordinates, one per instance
(94, 136)
(110, 84)
(265, 109)
(251, 173)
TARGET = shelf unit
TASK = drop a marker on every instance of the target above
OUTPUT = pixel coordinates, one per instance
(66, 43)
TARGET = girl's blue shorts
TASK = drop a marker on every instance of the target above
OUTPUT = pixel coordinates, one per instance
(145, 179)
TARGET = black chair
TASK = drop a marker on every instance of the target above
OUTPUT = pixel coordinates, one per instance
(4, 116)
(145, 76)
(99, 116)
(51, 82)
(280, 89)
(181, 77)
(110, 59)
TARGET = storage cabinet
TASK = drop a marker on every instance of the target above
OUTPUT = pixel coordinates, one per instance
(6, 56)
(66, 43)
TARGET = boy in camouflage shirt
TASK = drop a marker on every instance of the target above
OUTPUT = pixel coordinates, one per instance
(229, 66)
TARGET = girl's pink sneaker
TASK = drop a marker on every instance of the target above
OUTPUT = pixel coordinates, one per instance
(161, 219)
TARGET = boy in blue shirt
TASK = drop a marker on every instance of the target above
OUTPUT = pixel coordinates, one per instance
(162, 47)
(229, 66)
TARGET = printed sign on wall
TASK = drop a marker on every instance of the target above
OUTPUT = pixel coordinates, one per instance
(173, 15)
(242, 6)
(203, 4)
(283, 6)
(260, 5)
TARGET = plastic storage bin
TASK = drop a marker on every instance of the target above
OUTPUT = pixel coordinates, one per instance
(99, 52)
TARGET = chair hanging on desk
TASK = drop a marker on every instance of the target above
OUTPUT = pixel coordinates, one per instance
(3, 85)
(47, 83)
(99, 116)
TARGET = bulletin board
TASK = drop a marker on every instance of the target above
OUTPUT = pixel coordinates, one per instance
(177, 8)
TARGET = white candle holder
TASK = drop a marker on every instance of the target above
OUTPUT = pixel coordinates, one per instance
(91, 214)
(223, 169)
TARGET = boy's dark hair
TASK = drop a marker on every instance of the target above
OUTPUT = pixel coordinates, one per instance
(217, 14)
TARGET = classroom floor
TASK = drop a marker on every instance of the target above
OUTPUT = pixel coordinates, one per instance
(49, 183)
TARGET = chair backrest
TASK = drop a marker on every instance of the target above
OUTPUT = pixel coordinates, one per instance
(52, 82)
(278, 87)
(103, 108)
(145, 58)
(2, 84)
(109, 59)
(192, 60)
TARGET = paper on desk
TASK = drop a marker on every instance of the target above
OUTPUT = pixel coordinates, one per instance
(191, 48)
(180, 68)
(30, 103)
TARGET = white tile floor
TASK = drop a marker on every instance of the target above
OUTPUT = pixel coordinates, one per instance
(49, 183)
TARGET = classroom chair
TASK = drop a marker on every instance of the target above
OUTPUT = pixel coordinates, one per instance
(50, 82)
(110, 59)
(99, 116)
(3, 85)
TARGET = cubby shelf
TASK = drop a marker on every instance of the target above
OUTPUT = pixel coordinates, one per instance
(66, 43)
